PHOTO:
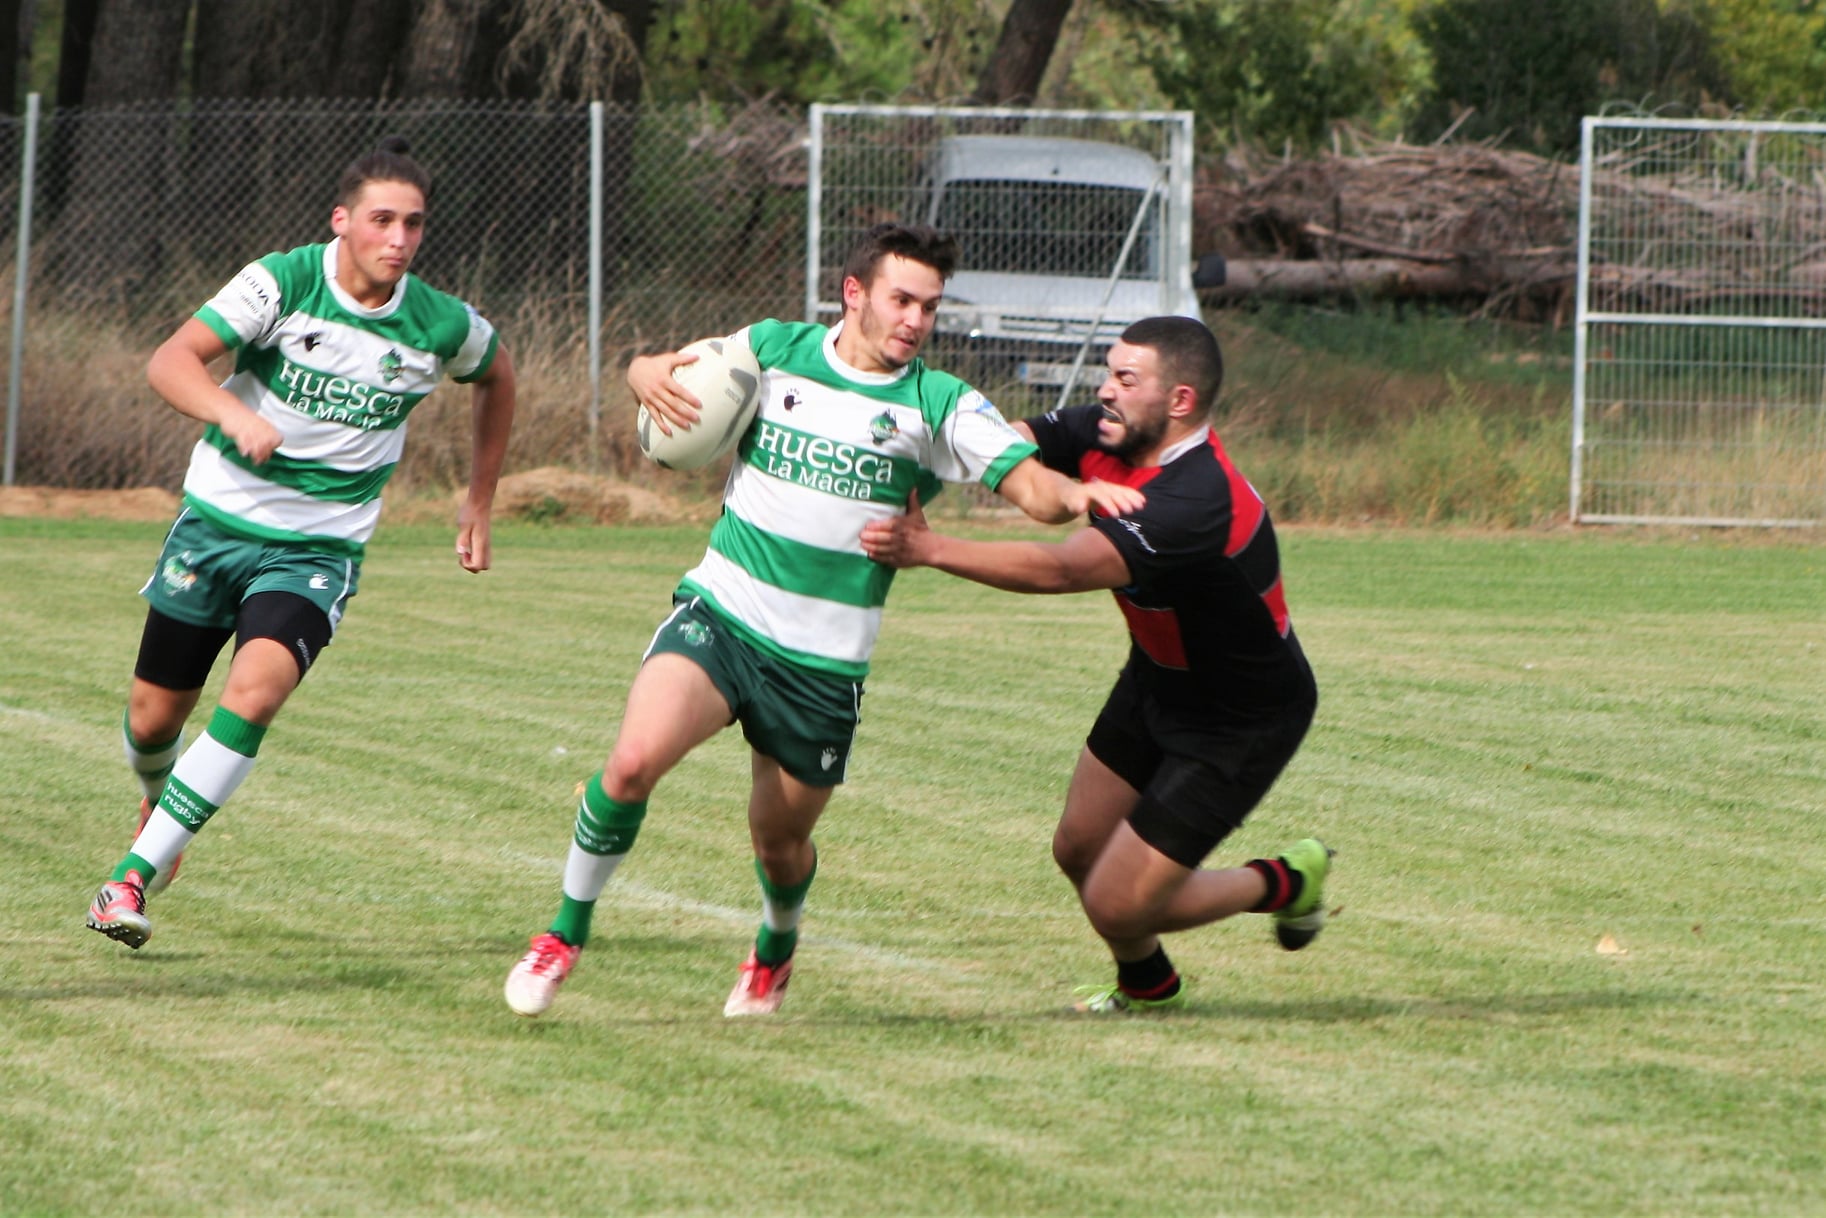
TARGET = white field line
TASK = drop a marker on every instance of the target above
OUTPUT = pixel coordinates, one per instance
(631, 892)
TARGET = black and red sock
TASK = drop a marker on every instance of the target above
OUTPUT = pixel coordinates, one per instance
(1150, 979)
(1284, 884)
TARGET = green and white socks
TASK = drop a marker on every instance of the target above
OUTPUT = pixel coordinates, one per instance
(151, 762)
(781, 908)
(200, 783)
(605, 832)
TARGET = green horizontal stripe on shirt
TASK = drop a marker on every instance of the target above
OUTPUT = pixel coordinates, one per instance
(829, 575)
(237, 527)
(824, 665)
(310, 478)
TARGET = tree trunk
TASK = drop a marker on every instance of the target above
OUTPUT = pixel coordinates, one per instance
(138, 52)
(1384, 278)
(265, 48)
(1013, 72)
(110, 236)
(11, 16)
(373, 42)
(452, 48)
(253, 163)
(77, 41)
(73, 53)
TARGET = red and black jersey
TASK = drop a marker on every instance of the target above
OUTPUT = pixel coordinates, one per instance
(1206, 611)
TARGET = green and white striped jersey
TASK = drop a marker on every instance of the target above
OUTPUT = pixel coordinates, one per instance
(832, 448)
(338, 380)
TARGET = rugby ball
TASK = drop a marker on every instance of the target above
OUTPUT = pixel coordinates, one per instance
(727, 380)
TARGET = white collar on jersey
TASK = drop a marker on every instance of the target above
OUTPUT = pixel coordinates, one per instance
(349, 302)
(855, 374)
(1185, 446)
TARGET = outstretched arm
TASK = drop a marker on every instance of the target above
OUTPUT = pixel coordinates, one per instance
(179, 371)
(491, 418)
(1051, 498)
(1081, 562)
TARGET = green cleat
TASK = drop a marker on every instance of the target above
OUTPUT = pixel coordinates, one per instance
(1300, 923)
(1110, 1000)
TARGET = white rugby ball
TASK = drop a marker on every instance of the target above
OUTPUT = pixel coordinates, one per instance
(727, 380)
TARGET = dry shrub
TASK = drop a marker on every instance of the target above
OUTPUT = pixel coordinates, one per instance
(87, 417)
(1325, 437)
(90, 420)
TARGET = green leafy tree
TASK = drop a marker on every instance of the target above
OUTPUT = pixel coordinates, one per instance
(1280, 72)
(817, 50)
(1773, 52)
(1529, 70)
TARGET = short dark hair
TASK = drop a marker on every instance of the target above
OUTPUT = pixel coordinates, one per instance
(389, 162)
(1188, 353)
(915, 242)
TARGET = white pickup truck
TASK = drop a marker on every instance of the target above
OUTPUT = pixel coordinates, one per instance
(1064, 242)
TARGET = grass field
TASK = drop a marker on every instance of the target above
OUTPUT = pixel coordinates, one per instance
(1530, 747)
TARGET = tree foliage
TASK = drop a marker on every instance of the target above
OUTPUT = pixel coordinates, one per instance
(817, 50)
(1528, 70)
(1279, 72)
(1772, 51)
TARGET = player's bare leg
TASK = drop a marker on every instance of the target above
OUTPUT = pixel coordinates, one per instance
(673, 706)
(261, 677)
(782, 812)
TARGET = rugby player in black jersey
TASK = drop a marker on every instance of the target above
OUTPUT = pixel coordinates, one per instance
(1216, 694)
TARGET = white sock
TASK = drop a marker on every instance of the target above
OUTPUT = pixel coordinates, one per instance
(586, 874)
(162, 840)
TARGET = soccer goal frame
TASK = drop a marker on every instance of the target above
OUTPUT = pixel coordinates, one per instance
(1699, 391)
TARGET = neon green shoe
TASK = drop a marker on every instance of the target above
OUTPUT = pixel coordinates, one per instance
(1300, 923)
(1110, 1000)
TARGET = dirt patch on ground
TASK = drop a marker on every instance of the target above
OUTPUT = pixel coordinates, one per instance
(140, 503)
(557, 494)
(549, 494)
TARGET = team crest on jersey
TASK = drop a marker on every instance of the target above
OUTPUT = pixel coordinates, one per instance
(392, 365)
(883, 427)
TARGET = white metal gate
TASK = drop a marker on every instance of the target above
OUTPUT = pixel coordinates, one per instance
(1072, 224)
(1699, 393)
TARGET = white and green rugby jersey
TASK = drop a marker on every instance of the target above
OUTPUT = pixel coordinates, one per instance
(831, 449)
(338, 380)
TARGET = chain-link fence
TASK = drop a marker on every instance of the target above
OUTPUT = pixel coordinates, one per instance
(141, 213)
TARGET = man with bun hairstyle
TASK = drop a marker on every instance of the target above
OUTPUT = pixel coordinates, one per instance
(334, 344)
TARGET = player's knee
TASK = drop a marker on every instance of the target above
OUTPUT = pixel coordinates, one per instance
(155, 714)
(631, 773)
(785, 856)
(1073, 855)
(1114, 916)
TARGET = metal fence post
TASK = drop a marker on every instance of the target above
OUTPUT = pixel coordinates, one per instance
(595, 278)
(22, 276)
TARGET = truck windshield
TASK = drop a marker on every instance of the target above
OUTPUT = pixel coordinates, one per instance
(1048, 228)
